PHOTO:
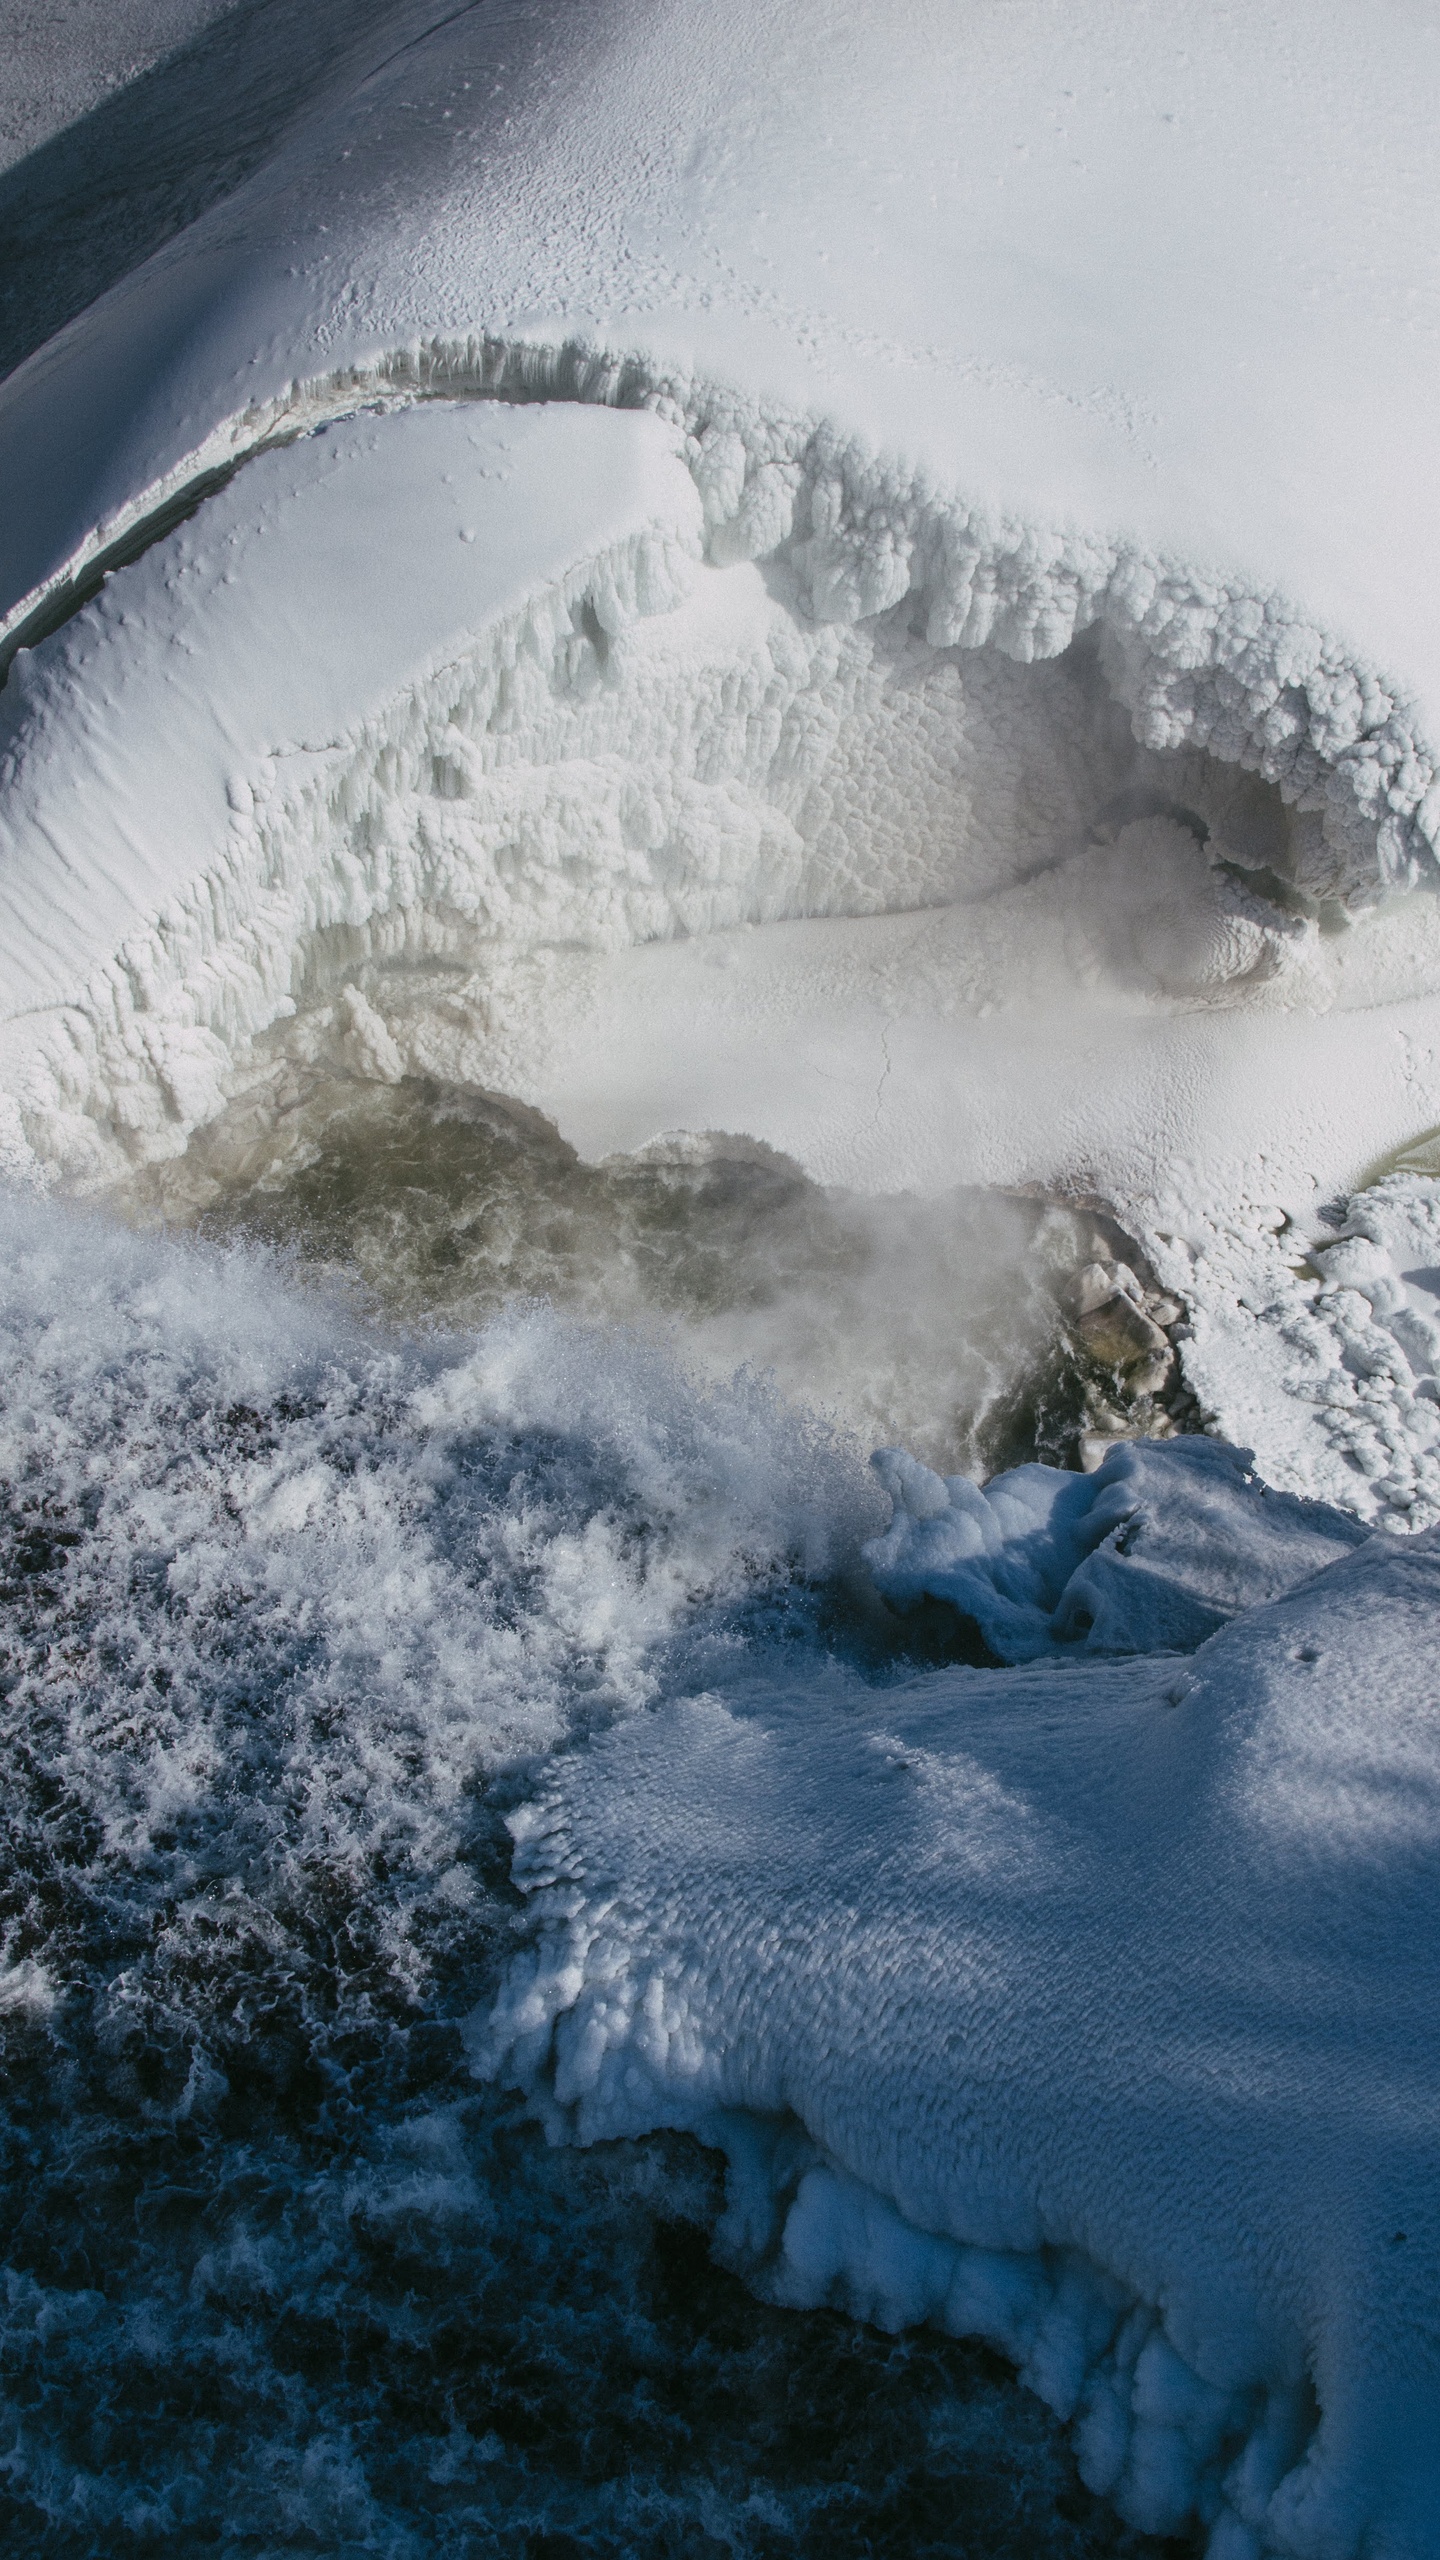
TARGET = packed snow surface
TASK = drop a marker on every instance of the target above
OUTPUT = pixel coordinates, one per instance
(1087, 2005)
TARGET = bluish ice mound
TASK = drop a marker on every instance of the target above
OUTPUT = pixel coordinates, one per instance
(1087, 2006)
(1150, 1554)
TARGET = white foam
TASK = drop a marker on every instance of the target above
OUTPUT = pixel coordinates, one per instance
(479, 1534)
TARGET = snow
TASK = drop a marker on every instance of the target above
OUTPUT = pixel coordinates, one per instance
(173, 758)
(523, 722)
(951, 330)
(1151, 1553)
(655, 820)
(60, 62)
(865, 581)
(1091, 269)
(1086, 2006)
(963, 359)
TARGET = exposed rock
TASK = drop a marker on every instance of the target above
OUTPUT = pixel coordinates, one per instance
(1119, 1334)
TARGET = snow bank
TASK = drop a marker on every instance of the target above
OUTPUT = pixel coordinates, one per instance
(1038, 360)
(1317, 1339)
(518, 772)
(1033, 322)
(521, 715)
(1151, 1553)
(1086, 2007)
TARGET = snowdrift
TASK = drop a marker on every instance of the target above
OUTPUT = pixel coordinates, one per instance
(845, 340)
(1087, 2006)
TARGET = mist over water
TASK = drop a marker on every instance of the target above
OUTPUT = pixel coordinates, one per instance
(296, 1599)
(934, 1322)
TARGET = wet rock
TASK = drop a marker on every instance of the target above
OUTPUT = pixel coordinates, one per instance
(1119, 1334)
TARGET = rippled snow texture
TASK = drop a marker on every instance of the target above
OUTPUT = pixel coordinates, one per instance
(1086, 2005)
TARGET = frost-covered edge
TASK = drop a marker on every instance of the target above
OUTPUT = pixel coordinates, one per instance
(1197, 659)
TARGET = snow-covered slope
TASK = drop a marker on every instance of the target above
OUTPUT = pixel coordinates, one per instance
(207, 770)
(60, 62)
(979, 329)
(1092, 270)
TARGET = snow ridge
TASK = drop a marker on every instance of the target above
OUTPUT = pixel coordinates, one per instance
(1198, 661)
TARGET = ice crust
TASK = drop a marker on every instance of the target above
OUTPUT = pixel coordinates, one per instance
(1086, 2006)
(1151, 1553)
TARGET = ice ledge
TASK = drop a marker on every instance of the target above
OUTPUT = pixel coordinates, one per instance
(1198, 659)
(1099, 1995)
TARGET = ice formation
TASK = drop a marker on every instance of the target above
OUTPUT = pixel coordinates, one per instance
(1151, 1553)
(1086, 2005)
(864, 581)
(933, 515)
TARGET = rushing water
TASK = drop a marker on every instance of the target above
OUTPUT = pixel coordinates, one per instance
(938, 1322)
(296, 1596)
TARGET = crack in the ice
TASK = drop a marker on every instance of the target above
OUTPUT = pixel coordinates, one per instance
(886, 1027)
